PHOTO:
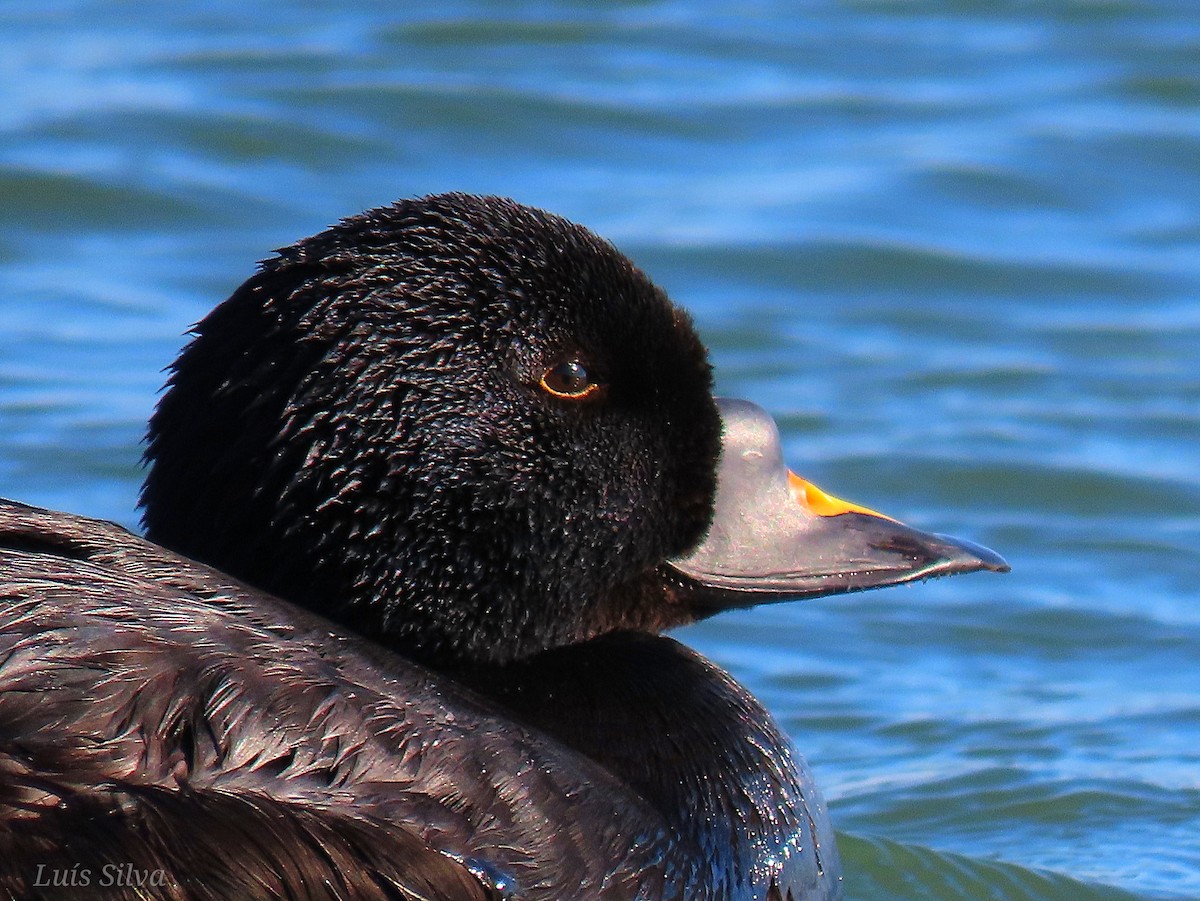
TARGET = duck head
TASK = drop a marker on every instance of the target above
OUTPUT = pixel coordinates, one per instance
(474, 431)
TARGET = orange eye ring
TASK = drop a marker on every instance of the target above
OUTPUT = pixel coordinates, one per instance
(569, 380)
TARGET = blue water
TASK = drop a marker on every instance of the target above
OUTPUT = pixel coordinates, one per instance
(953, 246)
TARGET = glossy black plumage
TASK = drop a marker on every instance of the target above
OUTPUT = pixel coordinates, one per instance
(367, 409)
(478, 438)
(149, 690)
(194, 703)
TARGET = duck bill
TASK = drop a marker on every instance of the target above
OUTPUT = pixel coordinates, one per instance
(776, 536)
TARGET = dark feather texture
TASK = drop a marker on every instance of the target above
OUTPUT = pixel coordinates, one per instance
(126, 671)
(139, 841)
(366, 412)
(692, 742)
(365, 428)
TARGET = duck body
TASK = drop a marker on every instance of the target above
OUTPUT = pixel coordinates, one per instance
(199, 708)
(173, 677)
(423, 494)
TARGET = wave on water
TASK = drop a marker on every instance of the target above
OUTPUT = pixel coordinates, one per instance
(880, 869)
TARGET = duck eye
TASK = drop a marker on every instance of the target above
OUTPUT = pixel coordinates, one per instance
(569, 380)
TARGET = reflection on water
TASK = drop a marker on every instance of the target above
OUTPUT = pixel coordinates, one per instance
(952, 247)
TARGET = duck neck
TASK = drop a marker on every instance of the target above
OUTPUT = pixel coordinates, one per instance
(694, 744)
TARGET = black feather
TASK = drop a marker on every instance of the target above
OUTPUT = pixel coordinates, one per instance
(361, 429)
